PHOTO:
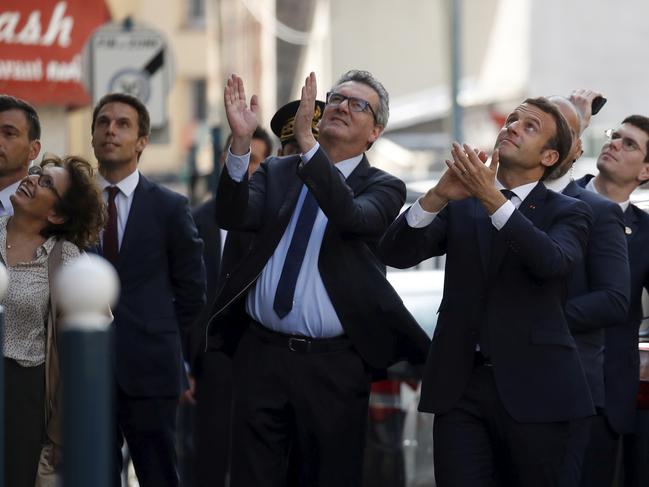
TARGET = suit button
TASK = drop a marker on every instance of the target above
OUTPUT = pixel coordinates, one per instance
(227, 275)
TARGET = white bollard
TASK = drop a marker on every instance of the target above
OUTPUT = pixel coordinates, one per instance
(86, 288)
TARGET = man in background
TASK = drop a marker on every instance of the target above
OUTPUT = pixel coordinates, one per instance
(211, 370)
(623, 165)
(151, 240)
(20, 131)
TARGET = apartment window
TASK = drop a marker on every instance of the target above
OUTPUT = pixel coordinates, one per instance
(196, 13)
(199, 99)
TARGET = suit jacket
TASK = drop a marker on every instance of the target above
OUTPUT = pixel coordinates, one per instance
(205, 218)
(358, 209)
(510, 285)
(598, 291)
(162, 280)
(621, 359)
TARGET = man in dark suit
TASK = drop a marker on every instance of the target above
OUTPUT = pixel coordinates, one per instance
(321, 313)
(151, 239)
(211, 369)
(503, 375)
(598, 289)
(623, 165)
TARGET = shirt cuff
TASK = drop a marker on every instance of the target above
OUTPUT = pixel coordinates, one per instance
(417, 217)
(237, 165)
(307, 157)
(501, 216)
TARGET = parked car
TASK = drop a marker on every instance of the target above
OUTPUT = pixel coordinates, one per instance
(399, 447)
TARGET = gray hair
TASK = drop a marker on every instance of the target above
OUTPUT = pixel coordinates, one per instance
(365, 77)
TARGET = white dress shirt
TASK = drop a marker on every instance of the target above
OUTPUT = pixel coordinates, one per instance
(591, 187)
(313, 313)
(6, 208)
(417, 217)
(123, 200)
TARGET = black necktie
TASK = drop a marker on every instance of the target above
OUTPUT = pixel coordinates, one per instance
(111, 244)
(508, 193)
(292, 264)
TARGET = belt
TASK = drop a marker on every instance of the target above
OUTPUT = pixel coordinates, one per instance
(480, 360)
(300, 343)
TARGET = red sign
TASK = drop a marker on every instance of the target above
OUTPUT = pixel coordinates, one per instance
(40, 48)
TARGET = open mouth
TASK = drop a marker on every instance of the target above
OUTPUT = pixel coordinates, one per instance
(23, 189)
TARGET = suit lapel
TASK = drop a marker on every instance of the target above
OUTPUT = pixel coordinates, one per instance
(136, 217)
(486, 233)
(528, 208)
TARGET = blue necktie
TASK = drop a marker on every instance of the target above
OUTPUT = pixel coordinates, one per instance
(286, 286)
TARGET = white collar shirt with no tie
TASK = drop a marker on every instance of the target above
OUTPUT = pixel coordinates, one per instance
(123, 200)
(313, 313)
(6, 209)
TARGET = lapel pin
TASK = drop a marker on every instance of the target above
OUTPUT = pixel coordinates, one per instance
(628, 230)
(532, 207)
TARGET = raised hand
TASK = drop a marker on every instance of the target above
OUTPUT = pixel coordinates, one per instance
(304, 116)
(243, 119)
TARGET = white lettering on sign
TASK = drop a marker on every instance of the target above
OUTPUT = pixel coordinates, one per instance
(59, 28)
(33, 70)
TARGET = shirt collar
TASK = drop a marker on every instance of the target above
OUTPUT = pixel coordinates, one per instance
(347, 166)
(590, 186)
(4, 197)
(520, 191)
(558, 185)
(126, 185)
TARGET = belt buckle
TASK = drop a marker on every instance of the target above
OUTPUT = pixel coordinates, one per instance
(304, 344)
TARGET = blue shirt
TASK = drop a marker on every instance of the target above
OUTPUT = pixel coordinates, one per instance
(312, 314)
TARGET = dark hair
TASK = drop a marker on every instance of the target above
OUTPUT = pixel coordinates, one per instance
(81, 205)
(143, 120)
(642, 123)
(561, 141)
(8, 102)
(262, 135)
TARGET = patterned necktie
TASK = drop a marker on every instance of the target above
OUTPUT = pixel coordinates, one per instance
(286, 286)
(111, 244)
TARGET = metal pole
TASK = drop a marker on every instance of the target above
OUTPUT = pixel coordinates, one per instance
(4, 282)
(87, 287)
(456, 68)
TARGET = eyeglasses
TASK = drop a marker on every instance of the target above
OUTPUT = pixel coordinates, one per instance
(354, 104)
(44, 180)
(628, 144)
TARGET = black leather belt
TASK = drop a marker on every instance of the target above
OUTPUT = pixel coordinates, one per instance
(300, 343)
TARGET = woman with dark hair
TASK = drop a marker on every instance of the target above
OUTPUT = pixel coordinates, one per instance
(58, 212)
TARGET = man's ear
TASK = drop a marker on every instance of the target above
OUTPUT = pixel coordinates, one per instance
(141, 143)
(643, 175)
(376, 132)
(549, 157)
(34, 149)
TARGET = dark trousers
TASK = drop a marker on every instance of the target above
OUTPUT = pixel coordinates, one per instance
(212, 420)
(478, 444)
(312, 402)
(601, 454)
(148, 425)
(576, 451)
(24, 422)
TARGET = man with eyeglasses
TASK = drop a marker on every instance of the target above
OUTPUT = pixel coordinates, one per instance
(623, 165)
(598, 291)
(20, 133)
(321, 315)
